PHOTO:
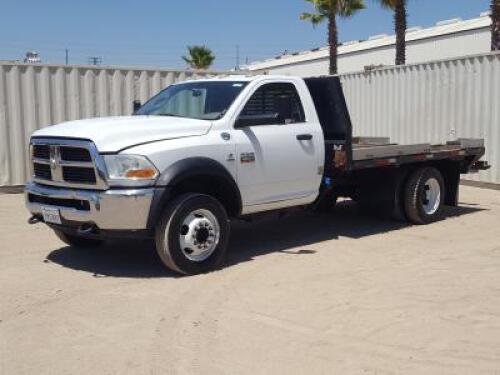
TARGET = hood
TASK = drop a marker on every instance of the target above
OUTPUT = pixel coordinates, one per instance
(112, 134)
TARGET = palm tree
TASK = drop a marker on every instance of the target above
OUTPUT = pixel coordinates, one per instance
(495, 25)
(329, 10)
(199, 57)
(400, 21)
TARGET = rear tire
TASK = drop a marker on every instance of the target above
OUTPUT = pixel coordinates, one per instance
(192, 234)
(424, 196)
(75, 241)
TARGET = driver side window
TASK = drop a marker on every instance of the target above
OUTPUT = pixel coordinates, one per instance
(266, 101)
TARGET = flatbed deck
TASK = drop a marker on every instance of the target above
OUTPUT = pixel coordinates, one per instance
(376, 152)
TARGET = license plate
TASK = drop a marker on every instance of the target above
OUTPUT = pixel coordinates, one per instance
(51, 215)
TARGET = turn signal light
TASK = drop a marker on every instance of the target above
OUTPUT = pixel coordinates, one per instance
(141, 173)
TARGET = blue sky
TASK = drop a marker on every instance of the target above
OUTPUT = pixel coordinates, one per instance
(155, 33)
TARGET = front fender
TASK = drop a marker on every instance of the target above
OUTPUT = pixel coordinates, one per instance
(191, 167)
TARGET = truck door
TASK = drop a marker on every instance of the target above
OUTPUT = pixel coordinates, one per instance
(277, 149)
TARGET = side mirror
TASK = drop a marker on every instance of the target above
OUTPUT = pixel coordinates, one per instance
(136, 104)
(255, 120)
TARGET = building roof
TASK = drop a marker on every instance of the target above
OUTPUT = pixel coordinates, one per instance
(441, 28)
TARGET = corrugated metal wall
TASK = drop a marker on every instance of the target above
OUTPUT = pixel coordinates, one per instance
(431, 102)
(35, 96)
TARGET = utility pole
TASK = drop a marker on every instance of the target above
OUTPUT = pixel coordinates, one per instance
(237, 57)
(67, 56)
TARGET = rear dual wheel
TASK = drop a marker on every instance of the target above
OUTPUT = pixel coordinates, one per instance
(192, 234)
(424, 196)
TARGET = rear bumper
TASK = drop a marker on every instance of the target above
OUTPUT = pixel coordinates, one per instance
(114, 209)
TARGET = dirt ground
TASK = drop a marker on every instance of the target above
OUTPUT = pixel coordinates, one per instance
(336, 294)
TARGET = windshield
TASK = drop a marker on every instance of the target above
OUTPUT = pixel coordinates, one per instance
(199, 100)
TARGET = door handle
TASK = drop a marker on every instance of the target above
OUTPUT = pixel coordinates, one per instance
(304, 137)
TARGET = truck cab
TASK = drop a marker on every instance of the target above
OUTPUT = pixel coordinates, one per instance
(268, 139)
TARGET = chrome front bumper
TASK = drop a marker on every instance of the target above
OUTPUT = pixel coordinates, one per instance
(115, 209)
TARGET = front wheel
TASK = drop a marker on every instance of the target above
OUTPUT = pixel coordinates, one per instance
(192, 235)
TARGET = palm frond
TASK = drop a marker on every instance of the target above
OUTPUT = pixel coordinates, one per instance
(388, 4)
(349, 7)
(315, 19)
(187, 60)
(199, 57)
(325, 8)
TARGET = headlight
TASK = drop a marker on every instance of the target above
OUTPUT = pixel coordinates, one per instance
(130, 169)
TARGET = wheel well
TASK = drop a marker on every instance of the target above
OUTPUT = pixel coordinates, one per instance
(215, 186)
(450, 171)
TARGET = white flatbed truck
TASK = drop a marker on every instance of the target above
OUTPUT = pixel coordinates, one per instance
(202, 153)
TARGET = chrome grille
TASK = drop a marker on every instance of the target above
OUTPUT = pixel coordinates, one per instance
(41, 152)
(42, 171)
(79, 174)
(75, 154)
(64, 162)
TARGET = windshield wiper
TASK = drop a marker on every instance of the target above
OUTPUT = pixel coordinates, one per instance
(169, 114)
(221, 115)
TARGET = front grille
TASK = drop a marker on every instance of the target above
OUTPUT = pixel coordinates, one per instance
(42, 171)
(75, 154)
(41, 152)
(77, 204)
(65, 162)
(79, 175)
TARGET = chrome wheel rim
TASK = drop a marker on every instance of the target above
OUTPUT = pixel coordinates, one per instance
(199, 235)
(432, 196)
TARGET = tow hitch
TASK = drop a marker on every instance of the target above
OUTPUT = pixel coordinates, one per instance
(87, 229)
(35, 219)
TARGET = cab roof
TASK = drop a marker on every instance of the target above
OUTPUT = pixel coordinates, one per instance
(237, 78)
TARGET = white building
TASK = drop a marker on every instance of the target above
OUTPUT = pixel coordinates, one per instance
(447, 39)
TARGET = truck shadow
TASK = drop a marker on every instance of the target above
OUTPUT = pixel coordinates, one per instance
(290, 235)
(250, 240)
(131, 259)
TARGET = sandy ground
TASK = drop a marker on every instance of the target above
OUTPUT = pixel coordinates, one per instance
(336, 294)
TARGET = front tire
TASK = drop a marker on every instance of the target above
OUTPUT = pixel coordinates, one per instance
(75, 241)
(424, 196)
(192, 234)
